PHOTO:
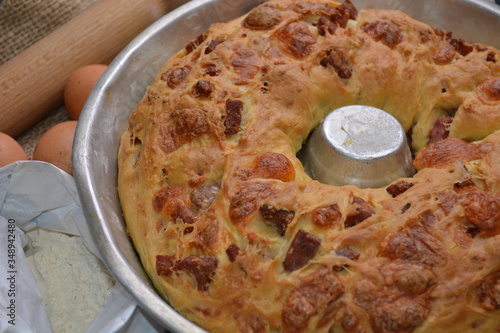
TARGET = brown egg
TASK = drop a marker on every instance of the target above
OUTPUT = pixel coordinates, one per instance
(56, 146)
(78, 88)
(10, 150)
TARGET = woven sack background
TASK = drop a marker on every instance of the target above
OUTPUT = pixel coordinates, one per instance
(24, 22)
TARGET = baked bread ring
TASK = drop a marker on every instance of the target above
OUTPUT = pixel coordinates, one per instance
(238, 238)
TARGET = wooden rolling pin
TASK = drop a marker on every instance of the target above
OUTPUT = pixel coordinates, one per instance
(32, 83)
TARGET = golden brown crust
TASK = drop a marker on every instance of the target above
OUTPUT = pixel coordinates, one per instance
(238, 238)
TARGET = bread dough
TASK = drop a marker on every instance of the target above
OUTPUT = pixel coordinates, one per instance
(238, 238)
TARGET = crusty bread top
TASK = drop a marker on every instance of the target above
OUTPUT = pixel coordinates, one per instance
(236, 235)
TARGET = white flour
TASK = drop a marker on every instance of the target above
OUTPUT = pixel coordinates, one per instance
(74, 283)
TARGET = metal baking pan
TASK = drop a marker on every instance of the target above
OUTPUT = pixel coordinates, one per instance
(104, 117)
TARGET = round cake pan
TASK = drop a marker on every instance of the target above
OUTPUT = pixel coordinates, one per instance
(105, 115)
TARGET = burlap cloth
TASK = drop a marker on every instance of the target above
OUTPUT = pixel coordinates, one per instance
(24, 22)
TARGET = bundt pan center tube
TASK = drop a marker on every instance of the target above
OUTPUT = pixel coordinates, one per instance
(446, 213)
(358, 145)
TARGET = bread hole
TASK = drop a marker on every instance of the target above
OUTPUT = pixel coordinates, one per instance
(409, 139)
(445, 85)
(451, 112)
(265, 87)
(137, 141)
(473, 231)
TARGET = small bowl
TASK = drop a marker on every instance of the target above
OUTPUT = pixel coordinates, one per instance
(358, 145)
